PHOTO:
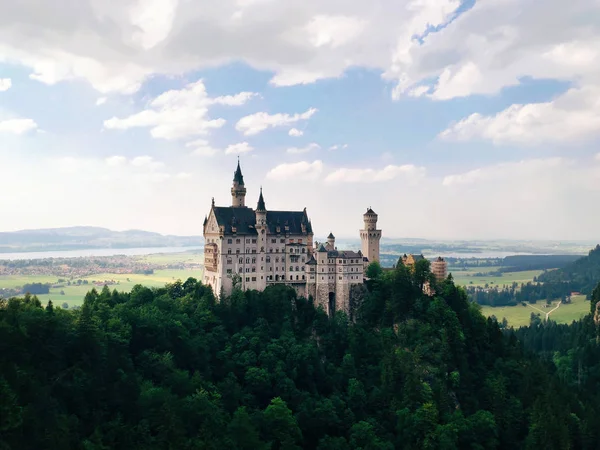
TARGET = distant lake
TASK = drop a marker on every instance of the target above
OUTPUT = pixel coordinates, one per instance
(96, 252)
(484, 254)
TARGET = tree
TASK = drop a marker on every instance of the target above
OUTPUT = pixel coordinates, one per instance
(281, 427)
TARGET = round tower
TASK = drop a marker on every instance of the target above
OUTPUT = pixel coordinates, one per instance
(331, 240)
(370, 236)
(238, 190)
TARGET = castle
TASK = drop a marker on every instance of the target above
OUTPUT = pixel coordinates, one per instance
(258, 248)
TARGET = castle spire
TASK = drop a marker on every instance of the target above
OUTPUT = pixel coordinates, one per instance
(238, 190)
(261, 202)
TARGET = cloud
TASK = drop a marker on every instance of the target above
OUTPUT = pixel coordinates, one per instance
(333, 31)
(239, 148)
(308, 148)
(17, 126)
(146, 162)
(202, 148)
(179, 113)
(101, 101)
(411, 173)
(302, 170)
(294, 132)
(183, 175)
(496, 44)
(533, 168)
(5, 84)
(572, 116)
(338, 146)
(260, 121)
(116, 160)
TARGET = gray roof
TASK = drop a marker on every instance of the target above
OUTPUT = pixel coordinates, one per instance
(331, 236)
(344, 254)
(244, 219)
(237, 175)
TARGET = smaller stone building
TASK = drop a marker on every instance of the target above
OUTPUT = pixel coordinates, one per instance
(439, 267)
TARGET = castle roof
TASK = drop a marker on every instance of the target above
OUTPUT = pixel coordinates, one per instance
(331, 236)
(370, 211)
(244, 219)
(344, 254)
(312, 261)
(322, 249)
(237, 176)
(261, 202)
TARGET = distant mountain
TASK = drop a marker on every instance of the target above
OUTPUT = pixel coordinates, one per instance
(76, 238)
(583, 273)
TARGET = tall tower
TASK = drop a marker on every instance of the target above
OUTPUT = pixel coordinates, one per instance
(238, 190)
(370, 236)
(261, 230)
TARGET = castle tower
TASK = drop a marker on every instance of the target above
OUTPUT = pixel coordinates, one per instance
(261, 239)
(331, 241)
(238, 190)
(370, 236)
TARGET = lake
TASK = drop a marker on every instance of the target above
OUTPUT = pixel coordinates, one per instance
(96, 252)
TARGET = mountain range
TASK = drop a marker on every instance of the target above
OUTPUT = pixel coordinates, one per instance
(83, 237)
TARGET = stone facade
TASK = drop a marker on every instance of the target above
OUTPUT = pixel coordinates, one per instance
(262, 247)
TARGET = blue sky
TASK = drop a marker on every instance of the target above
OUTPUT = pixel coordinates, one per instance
(452, 120)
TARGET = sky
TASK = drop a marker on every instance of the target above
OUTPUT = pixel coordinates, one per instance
(451, 119)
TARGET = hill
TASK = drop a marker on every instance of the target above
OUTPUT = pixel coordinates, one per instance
(583, 274)
(75, 238)
(172, 368)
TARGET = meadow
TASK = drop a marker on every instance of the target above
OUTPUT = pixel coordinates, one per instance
(519, 315)
(468, 277)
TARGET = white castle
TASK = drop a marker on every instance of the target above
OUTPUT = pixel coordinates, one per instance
(261, 247)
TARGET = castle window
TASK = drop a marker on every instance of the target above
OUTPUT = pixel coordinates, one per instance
(270, 269)
(262, 268)
(303, 259)
(253, 250)
(238, 241)
(297, 269)
(241, 260)
(229, 251)
(240, 270)
(268, 259)
(277, 259)
(254, 269)
(230, 241)
(282, 241)
(253, 260)
(303, 250)
(247, 279)
(277, 250)
(237, 251)
(340, 277)
(253, 278)
(273, 241)
(247, 269)
(247, 260)
(303, 277)
(297, 277)
(270, 250)
(322, 269)
(302, 268)
(254, 241)
(322, 278)
(291, 268)
(262, 249)
(291, 241)
(229, 270)
(247, 241)
(291, 277)
(229, 261)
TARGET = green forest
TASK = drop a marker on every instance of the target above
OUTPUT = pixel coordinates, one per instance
(173, 368)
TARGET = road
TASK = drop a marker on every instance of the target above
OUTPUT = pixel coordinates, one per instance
(543, 312)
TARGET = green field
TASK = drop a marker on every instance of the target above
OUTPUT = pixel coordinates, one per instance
(519, 315)
(468, 278)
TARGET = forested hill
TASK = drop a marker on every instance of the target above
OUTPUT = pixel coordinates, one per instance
(75, 238)
(171, 368)
(583, 274)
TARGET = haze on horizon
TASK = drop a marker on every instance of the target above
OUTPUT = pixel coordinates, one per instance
(451, 119)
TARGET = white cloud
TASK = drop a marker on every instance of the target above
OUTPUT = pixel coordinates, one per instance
(572, 116)
(411, 173)
(295, 132)
(116, 160)
(183, 175)
(17, 126)
(338, 146)
(497, 44)
(302, 170)
(533, 168)
(146, 162)
(5, 84)
(202, 148)
(260, 121)
(239, 148)
(179, 113)
(101, 101)
(308, 148)
(334, 31)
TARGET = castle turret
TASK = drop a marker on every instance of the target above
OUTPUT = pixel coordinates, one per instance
(261, 238)
(331, 241)
(238, 190)
(370, 236)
